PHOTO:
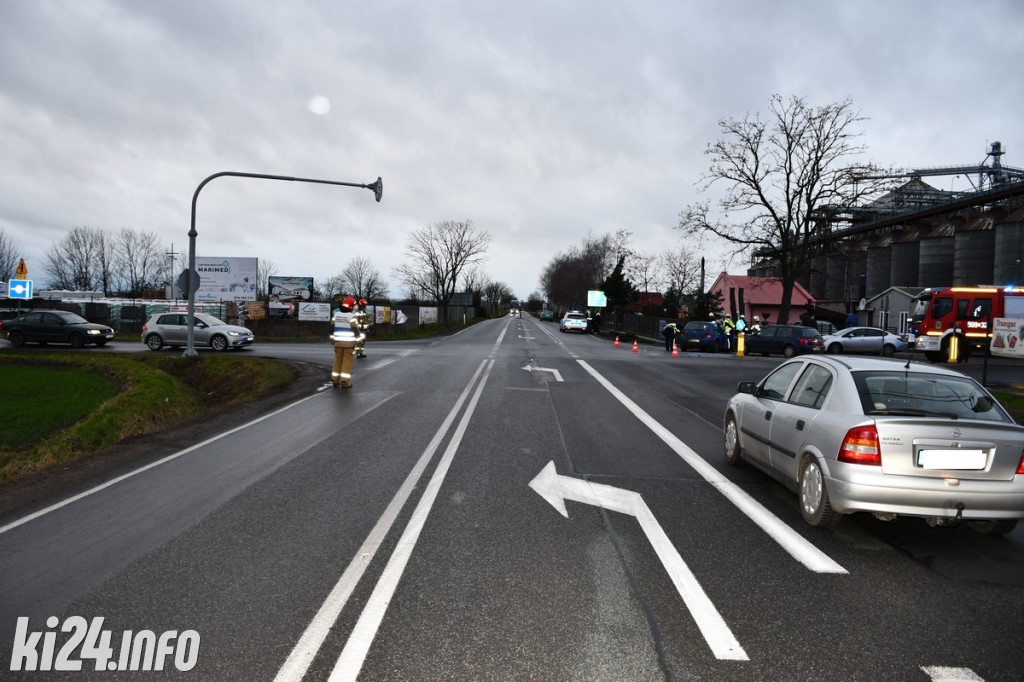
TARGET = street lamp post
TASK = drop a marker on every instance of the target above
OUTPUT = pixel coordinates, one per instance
(190, 351)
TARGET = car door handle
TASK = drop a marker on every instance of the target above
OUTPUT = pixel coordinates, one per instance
(768, 415)
(799, 424)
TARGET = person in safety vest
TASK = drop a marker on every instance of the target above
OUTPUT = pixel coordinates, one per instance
(346, 334)
(730, 331)
(363, 318)
(669, 332)
(756, 327)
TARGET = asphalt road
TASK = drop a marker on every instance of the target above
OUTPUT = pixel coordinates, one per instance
(412, 529)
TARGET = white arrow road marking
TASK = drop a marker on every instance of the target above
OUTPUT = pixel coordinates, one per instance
(800, 549)
(941, 674)
(556, 489)
(555, 372)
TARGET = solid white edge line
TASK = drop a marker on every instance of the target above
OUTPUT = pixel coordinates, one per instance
(352, 657)
(797, 546)
(940, 673)
(306, 649)
(152, 465)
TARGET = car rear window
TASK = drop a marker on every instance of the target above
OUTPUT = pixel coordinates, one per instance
(928, 395)
(809, 332)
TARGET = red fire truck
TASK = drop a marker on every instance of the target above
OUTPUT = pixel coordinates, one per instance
(938, 313)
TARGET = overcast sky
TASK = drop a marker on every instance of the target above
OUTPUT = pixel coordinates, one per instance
(542, 122)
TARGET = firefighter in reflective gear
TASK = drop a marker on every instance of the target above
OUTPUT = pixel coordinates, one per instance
(363, 318)
(345, 336)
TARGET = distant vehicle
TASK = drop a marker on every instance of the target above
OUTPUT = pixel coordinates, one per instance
(707, 336)
(55, 326)
(547, 316)
(573, 320)
(864, 340)
(855, 434)
(786, 339)
(937, 312)
(171, 329)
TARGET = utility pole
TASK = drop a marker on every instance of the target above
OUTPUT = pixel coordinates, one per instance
(174, 294)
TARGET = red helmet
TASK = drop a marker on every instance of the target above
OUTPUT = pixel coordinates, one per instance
(349, 302)
(362, 302)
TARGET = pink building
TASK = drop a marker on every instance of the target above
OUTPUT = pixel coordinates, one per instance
(762, 296)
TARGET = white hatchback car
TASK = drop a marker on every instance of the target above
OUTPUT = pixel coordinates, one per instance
(171, 329)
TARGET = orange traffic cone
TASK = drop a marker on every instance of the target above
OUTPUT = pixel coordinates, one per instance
(616, 341)
(636, 349)
(675, 350)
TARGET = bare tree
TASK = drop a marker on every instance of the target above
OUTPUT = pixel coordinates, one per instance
(783, 178)
(362, 280)
(568, 276)
(265, 269)
(437, 256)
(139, 260)
(644, 268)
(497, 294)
(74, 262)
(8, 257)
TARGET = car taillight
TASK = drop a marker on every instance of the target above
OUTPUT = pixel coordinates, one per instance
(1020, 467)
(861, 447)
(143, 327)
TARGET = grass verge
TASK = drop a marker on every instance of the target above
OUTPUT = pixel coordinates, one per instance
(64, 407)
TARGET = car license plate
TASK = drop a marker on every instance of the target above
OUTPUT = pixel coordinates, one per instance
(964, 460)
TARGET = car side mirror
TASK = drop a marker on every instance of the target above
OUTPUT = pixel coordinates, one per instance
(746, 387)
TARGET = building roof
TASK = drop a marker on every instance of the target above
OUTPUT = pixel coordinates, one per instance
(760, 290)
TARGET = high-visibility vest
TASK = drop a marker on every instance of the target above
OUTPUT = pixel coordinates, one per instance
(343, 330)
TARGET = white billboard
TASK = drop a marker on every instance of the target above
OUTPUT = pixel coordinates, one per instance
(226, 279)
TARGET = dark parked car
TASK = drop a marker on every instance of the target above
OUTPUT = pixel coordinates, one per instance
(709, 336)
(785, 339)
(55, 326)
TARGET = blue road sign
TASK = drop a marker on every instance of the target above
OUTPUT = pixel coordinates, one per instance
(20, 288)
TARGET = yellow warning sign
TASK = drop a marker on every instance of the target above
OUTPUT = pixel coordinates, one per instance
(22, 271)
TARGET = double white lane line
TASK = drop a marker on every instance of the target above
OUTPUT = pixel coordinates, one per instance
(358, 645)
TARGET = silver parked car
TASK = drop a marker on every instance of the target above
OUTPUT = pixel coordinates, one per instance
(856, 434)
(863, 340)
(171, 329)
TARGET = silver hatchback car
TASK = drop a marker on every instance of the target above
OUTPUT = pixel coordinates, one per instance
(883, 436)
(171, 329)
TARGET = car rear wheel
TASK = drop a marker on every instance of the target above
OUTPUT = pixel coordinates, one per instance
(888, 350)
(788, 351)
(219, 343)
(17, 339)
(993, 527)
(814, 504)
(76, 340)
(835, 348)
(732, 441)
(154, 342)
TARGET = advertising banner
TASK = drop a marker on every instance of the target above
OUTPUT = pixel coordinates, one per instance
(1008, 337)
(428, 315)
(290, 288)
(315, 312)
(226, 279)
